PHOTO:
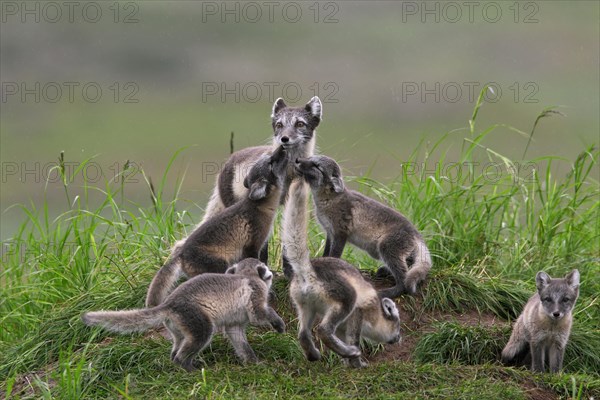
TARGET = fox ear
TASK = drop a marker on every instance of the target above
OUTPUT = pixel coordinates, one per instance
(338, 184)
(573, 279)
(277, 106)
(258, 190)
(264, 272)
(315, 107)
(261, 271)
(389, 308)
(231, 270)
(542, 280)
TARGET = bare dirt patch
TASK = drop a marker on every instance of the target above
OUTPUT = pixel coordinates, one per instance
(417, 322)
(537, 393)
(28, 385)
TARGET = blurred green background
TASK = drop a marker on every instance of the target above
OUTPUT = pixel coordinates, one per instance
(185, 74)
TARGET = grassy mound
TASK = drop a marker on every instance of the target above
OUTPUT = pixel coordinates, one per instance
(488, 237)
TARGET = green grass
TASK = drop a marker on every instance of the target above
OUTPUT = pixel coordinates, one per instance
(471, 345)
(452, 342)
(488, 238)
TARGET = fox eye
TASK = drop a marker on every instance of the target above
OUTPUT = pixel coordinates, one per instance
(279, 125)
(300, 124)
(547, 299)
(566, 300)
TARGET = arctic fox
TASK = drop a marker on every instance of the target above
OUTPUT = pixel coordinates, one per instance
(542, 330)
(202, 306)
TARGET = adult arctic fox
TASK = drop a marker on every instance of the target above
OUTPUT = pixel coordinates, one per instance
(332, 290)
(542, 330)
(384, 233)
(202, 306)
(294, 128)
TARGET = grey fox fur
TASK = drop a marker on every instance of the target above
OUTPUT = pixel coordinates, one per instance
(542, 331)
(381, 231)
(335, 291)
(202, 306)
(236, 233)
(294, 128)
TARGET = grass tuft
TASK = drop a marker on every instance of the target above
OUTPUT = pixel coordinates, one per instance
(488, 235)
(455, 343)
(457, 290)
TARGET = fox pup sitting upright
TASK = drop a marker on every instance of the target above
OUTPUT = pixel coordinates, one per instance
(236, 233)
(332, 290)
(542, 330)
(202, 306)
(381, 231)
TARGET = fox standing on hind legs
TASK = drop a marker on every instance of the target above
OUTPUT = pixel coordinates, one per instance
(542, 330)
(294, 128)
(238, 232)
(333, 291)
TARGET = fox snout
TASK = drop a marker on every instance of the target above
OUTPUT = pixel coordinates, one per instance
(554, 311)
(557, 315)
(396, 339)
(288, 141)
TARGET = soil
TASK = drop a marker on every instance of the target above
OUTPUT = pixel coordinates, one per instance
(26, 385)
(537, 393)
(416, 324)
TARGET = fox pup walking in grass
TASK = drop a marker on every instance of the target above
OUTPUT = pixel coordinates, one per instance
(333, 290)
(542, 330)
(381, 231)
(202, 306)
(236, 233)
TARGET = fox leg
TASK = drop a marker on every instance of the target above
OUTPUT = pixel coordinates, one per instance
(327, 329)
(239, 341)
(538, 357)
(556, 354)
(305, 335)
(350, 330)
